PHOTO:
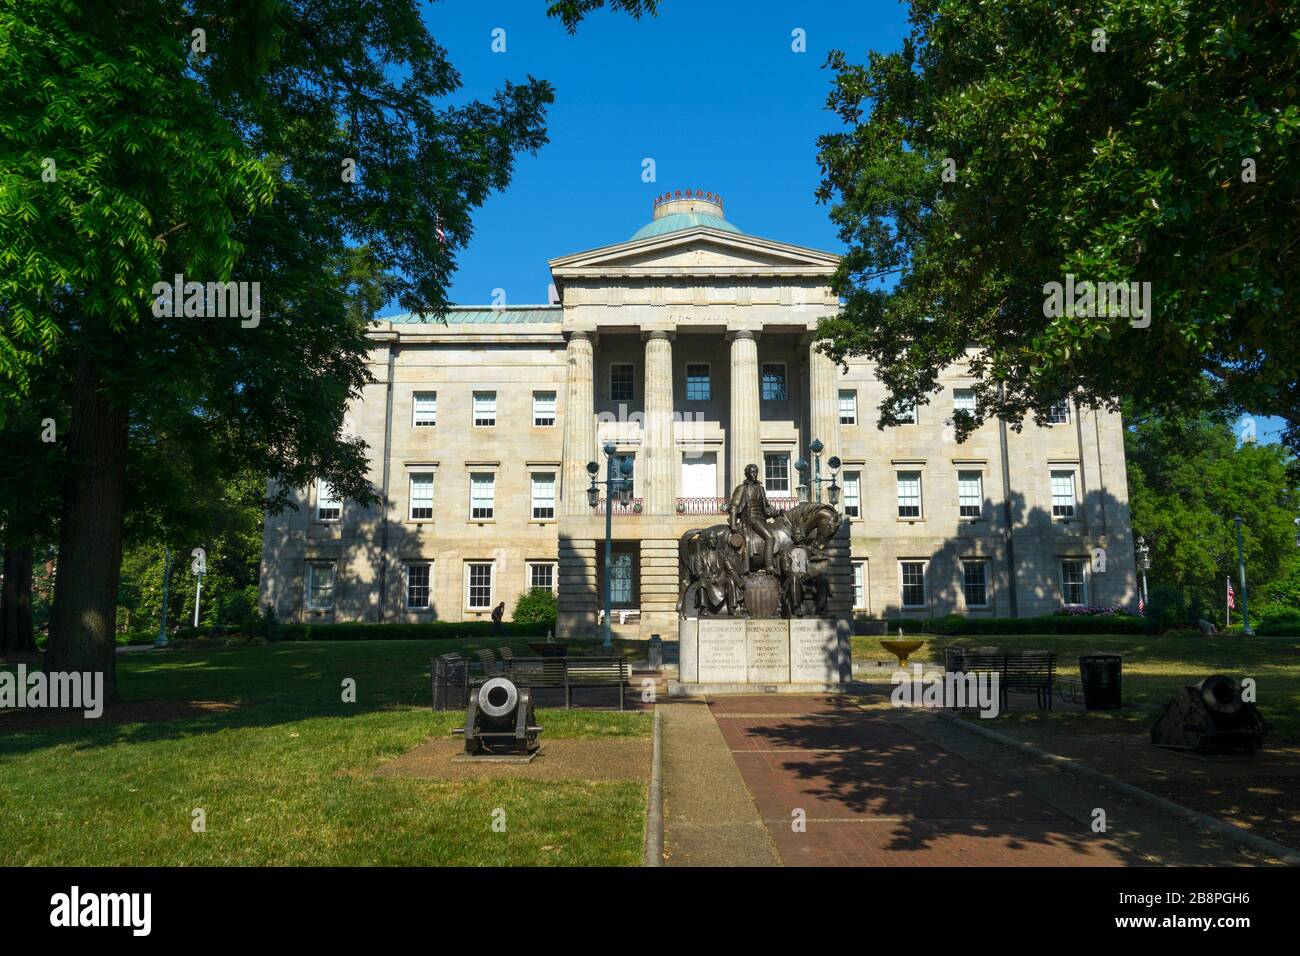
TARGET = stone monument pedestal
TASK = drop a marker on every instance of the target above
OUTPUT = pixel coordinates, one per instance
(720, 655)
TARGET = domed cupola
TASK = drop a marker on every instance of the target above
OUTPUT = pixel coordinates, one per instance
(685, 209)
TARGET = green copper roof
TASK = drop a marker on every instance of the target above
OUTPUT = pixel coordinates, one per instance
(481, 315)
(682, 220)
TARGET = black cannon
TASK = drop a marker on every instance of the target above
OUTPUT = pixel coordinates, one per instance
(500, 720)
(1210, 717)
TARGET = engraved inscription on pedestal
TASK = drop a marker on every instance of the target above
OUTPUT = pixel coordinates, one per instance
(767, 651)
(814, 651)
(687, 650)
(721, 654)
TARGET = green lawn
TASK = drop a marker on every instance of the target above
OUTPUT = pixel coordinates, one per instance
(287, 778)
(1155, 668)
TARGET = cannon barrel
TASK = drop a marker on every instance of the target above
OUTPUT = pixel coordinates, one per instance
(500, 719)
(1210, 717)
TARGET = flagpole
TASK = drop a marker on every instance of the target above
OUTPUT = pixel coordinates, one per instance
(1227, 604)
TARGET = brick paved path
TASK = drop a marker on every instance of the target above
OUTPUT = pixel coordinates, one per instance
(877, 794)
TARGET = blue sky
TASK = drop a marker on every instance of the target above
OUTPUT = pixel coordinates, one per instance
(711, 91)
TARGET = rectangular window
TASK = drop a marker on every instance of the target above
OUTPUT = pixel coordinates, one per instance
(620, 579)
(963, 400)
(909, 494)
(421, 497)
(543, 495)
(970, 494)
(485, 409)
(907, 415)
(419, 590)
(911, 575)
(859, 585)
(848, 407)
(482, 495)
(776, 473)
(773, 382)
(329, 507)
(853, 493)
(320, 587)
(620, 382)
(625, 468)
(478, 586)
(974, 583)
(700, 475)
(543, 409)
(1059, 414)
(697, 382)
(1074, 586)
(1062, 494)
(541, 576)
(424, 409)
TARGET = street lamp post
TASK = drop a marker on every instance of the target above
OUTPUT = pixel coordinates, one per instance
(833, 491)
(615, 483)
(1241, 574)
(1144, 562)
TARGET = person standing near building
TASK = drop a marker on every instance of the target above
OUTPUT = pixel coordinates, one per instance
(498, 613)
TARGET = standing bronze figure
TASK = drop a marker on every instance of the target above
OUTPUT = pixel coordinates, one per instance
(750, 512)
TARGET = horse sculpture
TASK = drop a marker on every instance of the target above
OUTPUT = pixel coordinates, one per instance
(714, 562)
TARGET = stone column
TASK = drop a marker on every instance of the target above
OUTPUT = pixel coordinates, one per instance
(824, 405)
(579, 425)
(659, 481)
(743, 431)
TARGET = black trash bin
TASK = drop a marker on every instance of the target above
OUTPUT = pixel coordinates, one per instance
(1100, 675)
(450, 682)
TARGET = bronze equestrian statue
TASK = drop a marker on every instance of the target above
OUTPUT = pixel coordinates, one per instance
(791, 545)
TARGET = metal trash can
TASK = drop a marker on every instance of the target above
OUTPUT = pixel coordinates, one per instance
(1100, 675)
(450, 682)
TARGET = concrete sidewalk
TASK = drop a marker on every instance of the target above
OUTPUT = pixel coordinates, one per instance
(709, 815)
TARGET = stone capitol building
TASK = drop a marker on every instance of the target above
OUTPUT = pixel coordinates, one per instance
(688, 346)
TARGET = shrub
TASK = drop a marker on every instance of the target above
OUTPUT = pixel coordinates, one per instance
(405, 632)
(537, 606)
(1283, 625)
(958, 625)
(1167, 608)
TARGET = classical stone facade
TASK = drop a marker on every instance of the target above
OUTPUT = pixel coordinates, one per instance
(689, 348)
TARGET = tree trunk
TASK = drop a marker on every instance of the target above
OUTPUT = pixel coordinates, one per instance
(83, 618)
(16, 601)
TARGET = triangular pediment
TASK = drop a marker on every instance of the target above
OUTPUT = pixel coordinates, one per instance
(698, 251)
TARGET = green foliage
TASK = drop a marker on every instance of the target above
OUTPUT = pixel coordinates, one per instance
(1115, 166)
(1283, 625)
(406, 632)
(572, 12)
(536, 606)
(1188, 479)
(957, 624)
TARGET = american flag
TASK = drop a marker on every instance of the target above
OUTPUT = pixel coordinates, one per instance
(1142, 604)
(1232, 596)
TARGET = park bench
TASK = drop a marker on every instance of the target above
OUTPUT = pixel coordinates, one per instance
(507, 655)
(572, 673)
(487, 659)
(1029, 670)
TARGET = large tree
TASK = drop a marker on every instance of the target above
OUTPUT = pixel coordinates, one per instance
(1007, 146)
(223, 154)
(1189, 477)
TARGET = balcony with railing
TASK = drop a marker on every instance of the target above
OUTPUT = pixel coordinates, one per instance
(633, 507)
(719, 506)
